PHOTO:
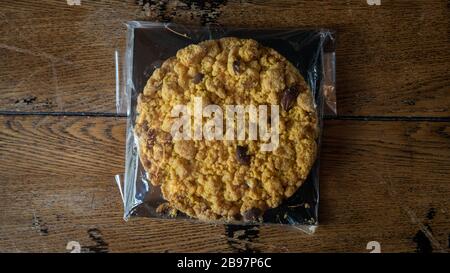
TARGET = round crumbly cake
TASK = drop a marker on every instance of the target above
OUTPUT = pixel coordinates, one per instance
(230, 180)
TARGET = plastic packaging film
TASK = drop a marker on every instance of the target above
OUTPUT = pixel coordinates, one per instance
(149, 44)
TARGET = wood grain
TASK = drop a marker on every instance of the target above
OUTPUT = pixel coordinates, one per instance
(392, 60)
(380, 181)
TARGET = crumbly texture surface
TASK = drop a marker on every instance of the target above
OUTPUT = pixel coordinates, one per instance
(227, 180)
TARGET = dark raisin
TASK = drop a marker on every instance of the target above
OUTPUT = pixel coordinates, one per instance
(252, 215)
(237, 217)
(145, 126)
(151, 138)
(146, 162)
(236, 66)
(198, 78)
(242, 156)
(289, 96)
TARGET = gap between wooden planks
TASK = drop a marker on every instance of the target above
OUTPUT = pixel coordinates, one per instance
(380, 181)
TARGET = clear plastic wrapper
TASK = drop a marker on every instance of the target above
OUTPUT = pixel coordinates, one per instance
(149, 44)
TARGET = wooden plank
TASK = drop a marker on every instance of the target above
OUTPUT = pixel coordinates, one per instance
(391, 59)
(380, 181)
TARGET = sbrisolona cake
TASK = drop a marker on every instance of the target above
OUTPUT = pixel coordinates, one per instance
(223, 179)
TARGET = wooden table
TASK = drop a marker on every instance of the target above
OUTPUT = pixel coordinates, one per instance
(385, 173)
